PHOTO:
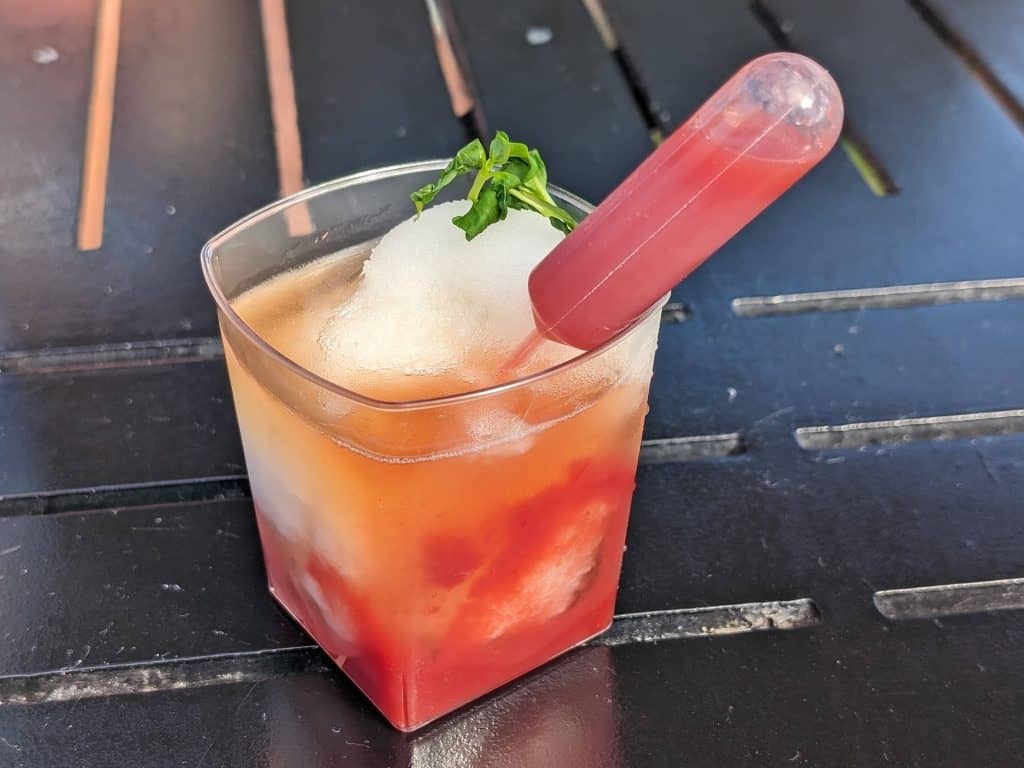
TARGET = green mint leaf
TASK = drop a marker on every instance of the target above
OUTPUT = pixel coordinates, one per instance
(520, 150)
(470, 157)
(538, 180)
(530, 200)
(513, 173)
(540, 171)
(506, 179)
(508, 175)
(490, 207)
(499, 149)
(424, 196)
(560, 225)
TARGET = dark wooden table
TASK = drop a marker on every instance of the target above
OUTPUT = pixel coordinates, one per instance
(807, 455)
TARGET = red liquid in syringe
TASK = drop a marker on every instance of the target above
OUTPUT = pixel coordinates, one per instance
(764, 129)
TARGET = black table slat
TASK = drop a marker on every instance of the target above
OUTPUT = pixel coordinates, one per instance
(993, 29)
(833, 526)
(729, 373)
(565, 96)
(149, 583)
(911, 97)
(108, 427)
(191, 151)
(368, 86)
(686, 49)
(813, 698)
(823, 698)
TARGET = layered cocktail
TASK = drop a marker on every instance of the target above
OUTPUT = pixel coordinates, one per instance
(440, 525)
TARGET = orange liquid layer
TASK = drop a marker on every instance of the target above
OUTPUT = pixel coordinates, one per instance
(435, 555)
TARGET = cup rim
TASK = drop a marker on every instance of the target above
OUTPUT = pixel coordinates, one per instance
(355, 179)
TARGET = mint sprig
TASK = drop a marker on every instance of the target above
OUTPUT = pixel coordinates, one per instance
(508, 175)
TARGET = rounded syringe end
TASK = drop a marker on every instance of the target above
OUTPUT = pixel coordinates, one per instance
(780, 106)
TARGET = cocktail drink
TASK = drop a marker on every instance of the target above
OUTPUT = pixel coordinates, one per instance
(442, 423)
(438, 532)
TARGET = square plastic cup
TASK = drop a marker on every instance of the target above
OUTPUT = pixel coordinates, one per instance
(435, 549)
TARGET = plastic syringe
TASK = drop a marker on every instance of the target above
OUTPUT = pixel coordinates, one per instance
(773, 121)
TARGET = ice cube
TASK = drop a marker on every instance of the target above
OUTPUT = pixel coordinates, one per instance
(498, 431)
(552, 583)
(334, 612)
(279, 506)
(430, 301)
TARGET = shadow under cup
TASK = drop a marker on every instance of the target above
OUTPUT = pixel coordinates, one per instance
(435, 549)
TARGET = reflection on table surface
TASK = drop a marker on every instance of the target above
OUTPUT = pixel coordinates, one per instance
(560, 716)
